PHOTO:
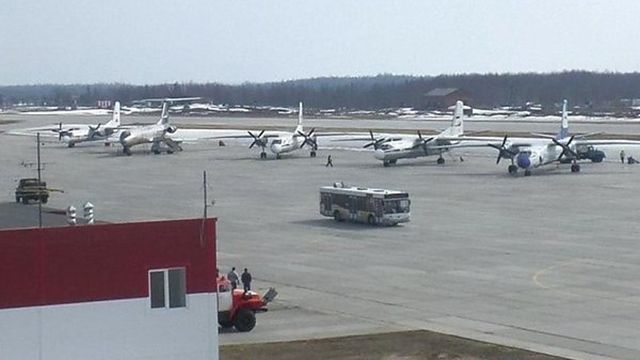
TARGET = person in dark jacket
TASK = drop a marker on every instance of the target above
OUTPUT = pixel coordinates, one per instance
(246, 280)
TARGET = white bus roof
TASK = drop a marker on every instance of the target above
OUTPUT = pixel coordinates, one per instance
(355, 190)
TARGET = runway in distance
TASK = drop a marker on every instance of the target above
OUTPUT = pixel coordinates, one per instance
(156, 134)
(544, 149)
(76, 134)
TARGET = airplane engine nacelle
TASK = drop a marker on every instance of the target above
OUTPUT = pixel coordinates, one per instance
(124, 135)
(171, 129)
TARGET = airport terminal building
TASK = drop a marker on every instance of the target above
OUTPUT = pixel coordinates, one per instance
(143, 290)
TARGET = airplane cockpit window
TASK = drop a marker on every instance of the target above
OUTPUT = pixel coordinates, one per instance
(277, 141)
(385, 147)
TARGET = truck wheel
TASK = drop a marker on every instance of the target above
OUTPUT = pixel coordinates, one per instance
(245, 320)
(25, 200)
(225, 324)
(337, 216)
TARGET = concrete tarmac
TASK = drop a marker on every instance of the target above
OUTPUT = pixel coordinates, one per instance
(549, 262)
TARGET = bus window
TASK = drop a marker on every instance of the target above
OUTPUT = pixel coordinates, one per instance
(396, 206)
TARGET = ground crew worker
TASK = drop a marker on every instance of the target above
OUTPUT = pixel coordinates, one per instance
(246, 280)
(329, 161)
(234, 278)
(622, 156)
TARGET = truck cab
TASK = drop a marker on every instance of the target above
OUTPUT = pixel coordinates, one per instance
(237, 308)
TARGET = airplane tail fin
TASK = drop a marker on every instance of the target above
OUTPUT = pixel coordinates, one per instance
(457, 124)
(164, 119)
(299, 126)
(115, 120)
(564, 126)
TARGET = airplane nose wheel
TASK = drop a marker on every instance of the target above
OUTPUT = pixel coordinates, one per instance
(527, 172)
(263, 155)
(575, 168)
(513, 169)
(126, 151)
(440, 160)
(313, 154)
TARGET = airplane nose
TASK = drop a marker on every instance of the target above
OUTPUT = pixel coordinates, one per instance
(523, 161)
(275, 148)
(378, 154)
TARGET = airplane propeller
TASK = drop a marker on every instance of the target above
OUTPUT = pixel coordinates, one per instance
(374, 142)
(424, 141)
(565, 148)
(257, 140)
(503, 152)
(93, 130)
(61, 132)
(308, 139)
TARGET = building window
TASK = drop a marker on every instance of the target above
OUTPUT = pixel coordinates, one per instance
(168, 284)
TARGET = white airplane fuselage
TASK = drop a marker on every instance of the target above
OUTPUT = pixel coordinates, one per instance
(84, 135)
(405, 149)
(286, 144)
(143, 135)
(535, 156)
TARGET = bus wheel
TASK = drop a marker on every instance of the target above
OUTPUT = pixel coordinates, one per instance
(371, 220)
(336, 216)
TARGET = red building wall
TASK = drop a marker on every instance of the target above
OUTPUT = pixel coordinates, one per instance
(102, 262)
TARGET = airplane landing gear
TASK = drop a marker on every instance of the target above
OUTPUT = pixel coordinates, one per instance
(312, 154)
(385, 163)
(126, 151)
(513, 169)
(263, 155)
(527, 172)
(440, 160)
(169, 151)
(278, 156)
(71, 144)
(575, 168)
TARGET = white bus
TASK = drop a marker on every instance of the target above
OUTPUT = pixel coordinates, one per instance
(373, 206)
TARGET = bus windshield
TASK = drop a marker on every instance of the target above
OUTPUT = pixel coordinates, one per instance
(394, 206)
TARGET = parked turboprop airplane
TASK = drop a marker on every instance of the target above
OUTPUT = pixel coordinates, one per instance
(155, 134)
(389, 150)
(529, 154)
(283, 142)
(75, 135)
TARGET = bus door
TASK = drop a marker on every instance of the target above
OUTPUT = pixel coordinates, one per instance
(325, 204)
(378, 207)
(353, 207)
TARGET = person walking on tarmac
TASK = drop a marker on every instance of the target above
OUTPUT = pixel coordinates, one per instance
(234, 278)
(329, 161)
(246, 280)
(622, 156)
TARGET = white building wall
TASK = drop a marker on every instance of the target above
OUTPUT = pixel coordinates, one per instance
(113, 330)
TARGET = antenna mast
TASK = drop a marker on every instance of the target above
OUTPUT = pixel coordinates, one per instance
(39, 182)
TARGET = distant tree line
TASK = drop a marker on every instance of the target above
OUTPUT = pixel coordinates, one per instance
(587, 89)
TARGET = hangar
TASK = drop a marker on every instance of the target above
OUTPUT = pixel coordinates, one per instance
(114, 291)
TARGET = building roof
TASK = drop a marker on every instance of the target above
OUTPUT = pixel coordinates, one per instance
(14, 215)
(442, 91)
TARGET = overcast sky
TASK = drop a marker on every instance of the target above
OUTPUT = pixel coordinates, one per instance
(233, 41)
